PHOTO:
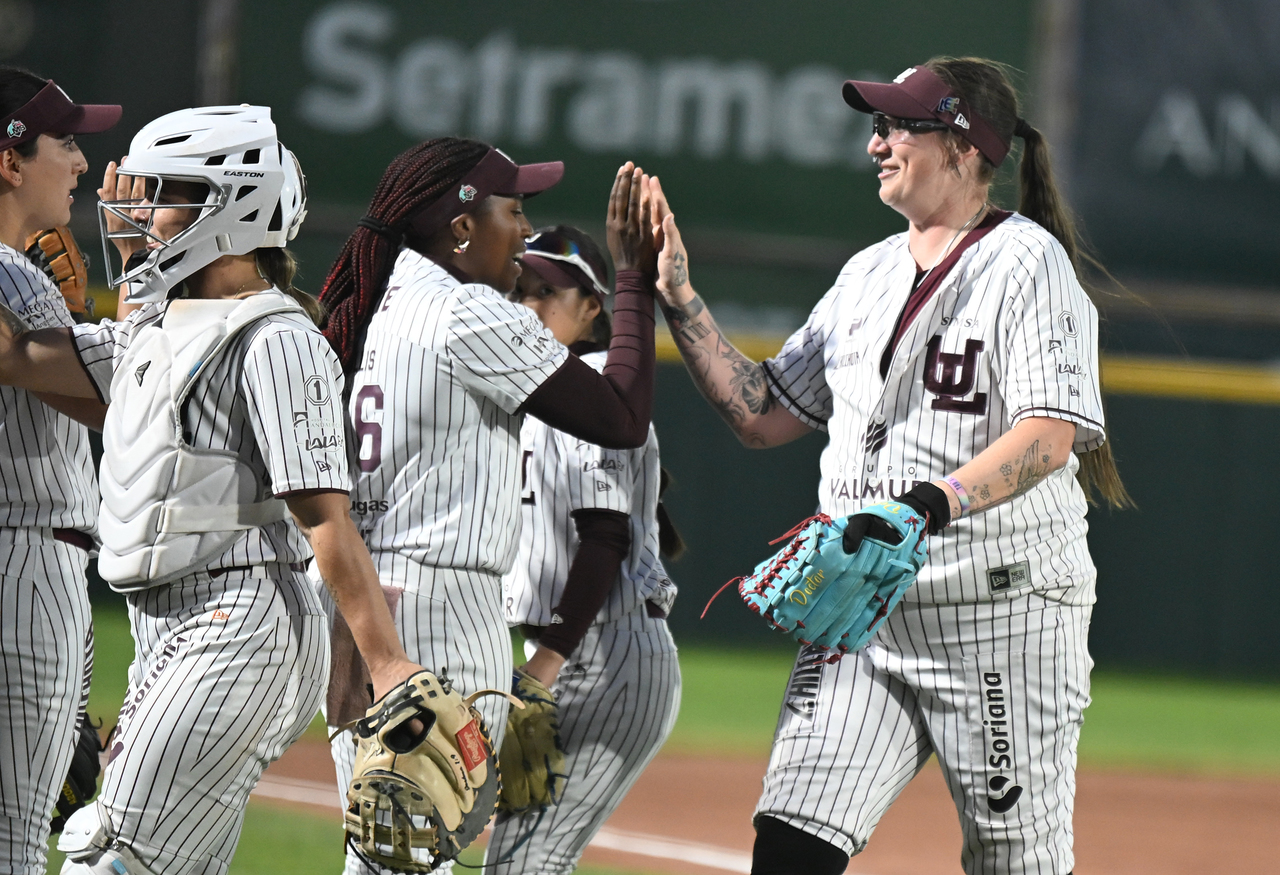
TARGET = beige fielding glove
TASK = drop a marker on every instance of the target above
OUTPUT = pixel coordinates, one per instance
(418, 798)
(56, 253)
(533, 766)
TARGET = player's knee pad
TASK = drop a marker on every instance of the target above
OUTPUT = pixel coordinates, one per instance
(782, 849)
(86, 840)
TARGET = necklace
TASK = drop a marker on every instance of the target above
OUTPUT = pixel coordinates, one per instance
(947, 251)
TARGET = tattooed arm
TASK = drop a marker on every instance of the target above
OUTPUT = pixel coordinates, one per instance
(1021, 457)
(734, 385)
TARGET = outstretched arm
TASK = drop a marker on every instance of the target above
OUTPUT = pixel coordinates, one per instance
(42, 361)
(735, 386)
(349, 575)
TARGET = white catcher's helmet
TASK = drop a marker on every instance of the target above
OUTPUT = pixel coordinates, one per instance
(257, 195)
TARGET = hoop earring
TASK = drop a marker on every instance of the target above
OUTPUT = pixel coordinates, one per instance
(462, 247)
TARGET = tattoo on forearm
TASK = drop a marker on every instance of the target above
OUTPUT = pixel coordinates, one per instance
(12, 321)
(1035, 467)
(1020, 476)
(748, 392)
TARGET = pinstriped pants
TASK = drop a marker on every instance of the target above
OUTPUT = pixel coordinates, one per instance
(997, 690)
(227, 674)
(619, 693)
(450, 622)
(44, 623)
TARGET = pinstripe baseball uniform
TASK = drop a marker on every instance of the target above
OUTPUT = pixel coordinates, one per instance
(232, 658)
(619, 691)
(985, 662)
(47, 483)
(445, 367)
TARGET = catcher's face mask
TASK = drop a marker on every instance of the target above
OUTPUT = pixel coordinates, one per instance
(163, 217)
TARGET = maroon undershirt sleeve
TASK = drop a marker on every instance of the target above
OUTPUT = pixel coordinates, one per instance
(612, 409)
(604, 538)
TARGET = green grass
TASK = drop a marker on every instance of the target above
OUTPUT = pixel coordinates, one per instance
(730, 706)
(1184, 725)
(731, 697)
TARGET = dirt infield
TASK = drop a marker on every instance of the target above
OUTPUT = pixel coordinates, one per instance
(1126, 824)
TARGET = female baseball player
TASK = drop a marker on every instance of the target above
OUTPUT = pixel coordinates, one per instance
(48, 490)
(954, 368)
(442, 370)
(588, 586)
(224, 419)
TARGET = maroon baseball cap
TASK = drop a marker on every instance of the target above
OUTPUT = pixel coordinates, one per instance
(919, 93)
(52, 112)
(495, 174)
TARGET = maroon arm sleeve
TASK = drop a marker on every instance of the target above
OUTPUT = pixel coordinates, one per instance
(604, 540)
(612, 409)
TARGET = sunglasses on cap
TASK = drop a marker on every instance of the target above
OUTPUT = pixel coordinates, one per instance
(557, 247)
(884, 125)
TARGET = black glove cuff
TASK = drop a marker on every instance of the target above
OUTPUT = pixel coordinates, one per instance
(930, 502)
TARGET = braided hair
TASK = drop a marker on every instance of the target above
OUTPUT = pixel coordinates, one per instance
(415, 179)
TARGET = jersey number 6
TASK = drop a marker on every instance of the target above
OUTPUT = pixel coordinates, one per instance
(369, 400)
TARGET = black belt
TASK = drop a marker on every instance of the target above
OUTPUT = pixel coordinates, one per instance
(75, 538)
(299, 567)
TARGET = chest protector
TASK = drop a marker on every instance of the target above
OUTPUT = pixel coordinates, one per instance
(169, 508)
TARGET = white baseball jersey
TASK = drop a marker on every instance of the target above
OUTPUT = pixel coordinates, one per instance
(445, 367)
(46, 467)
(273, 398)
(1008, 334)
(562, 474)
(47, 482)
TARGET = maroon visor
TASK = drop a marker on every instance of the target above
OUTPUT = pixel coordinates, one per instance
(919, 93)
(52, 112)
(495, 174)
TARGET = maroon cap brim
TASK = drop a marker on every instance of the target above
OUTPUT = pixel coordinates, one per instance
(531, 179)
(919, 93)
(887, 98)
(91, 118)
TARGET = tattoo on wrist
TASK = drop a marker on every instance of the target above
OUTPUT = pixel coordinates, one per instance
(681, 314)
(682, 321)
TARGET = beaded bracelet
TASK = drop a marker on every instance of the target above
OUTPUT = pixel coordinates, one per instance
(960, 494)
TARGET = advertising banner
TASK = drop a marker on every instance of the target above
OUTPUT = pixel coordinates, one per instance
(1176, 143)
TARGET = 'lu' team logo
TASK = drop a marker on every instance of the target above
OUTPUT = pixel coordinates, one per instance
(16, 129)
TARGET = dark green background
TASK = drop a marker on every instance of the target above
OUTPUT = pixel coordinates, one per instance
(1185, 583)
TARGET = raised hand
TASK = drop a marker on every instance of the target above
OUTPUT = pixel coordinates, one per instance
(629, 226)
(118, 186)
(673, 259)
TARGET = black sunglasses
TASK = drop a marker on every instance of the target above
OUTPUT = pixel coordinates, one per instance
(883, 125)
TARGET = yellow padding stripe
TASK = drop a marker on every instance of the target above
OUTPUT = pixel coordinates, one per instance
(1199, 380)
(1193, 379)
